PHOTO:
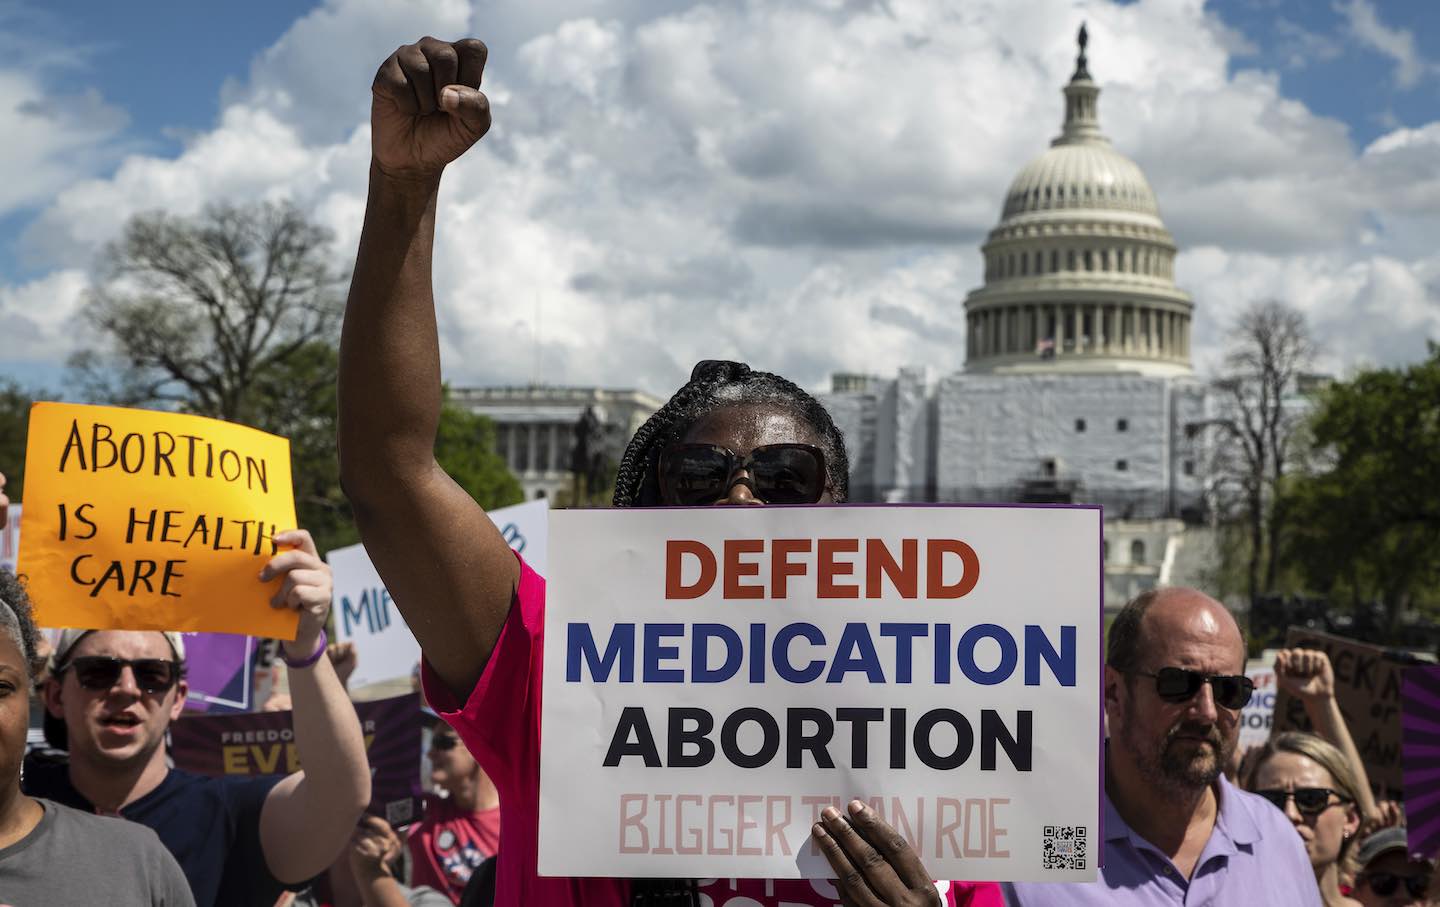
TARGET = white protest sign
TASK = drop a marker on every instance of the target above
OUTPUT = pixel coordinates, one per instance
(715, 677)
(1259, 712)
(366, 616)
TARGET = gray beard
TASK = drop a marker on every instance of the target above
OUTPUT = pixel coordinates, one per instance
(1166, 766)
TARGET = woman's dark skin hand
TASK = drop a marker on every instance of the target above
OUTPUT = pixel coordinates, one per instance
(874, 866)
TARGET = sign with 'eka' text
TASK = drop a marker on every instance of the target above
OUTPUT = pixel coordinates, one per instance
(143, 520)
(715, 677)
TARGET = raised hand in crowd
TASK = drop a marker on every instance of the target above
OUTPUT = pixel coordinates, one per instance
(306, 588)
(1305, 674)
(374, 847)
(1308, 675)
(374, 856)
(345, 659)
(445, 563)
(311, 813)
(418, 80)
(4, 503)
(1388, 814)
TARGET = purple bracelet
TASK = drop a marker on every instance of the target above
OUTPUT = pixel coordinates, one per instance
(308, 660)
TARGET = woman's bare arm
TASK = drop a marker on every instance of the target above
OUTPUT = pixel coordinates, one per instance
(443, 561)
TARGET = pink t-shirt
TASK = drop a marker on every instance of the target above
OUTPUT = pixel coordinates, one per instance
(447, 845)
(500, 723)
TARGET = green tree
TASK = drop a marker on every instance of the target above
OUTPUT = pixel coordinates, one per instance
(1366, 527)
(1256, 435)
(465, 448)
(235, 314)
(197, 313)
(14, 429)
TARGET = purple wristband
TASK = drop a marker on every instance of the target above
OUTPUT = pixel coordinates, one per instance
(308, 660)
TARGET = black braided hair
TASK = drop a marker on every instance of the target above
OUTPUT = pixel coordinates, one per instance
(716, 383)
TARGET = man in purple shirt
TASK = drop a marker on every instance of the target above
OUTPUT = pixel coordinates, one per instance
(1176, 832)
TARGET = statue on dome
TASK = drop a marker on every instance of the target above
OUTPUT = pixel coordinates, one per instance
(1081, 69)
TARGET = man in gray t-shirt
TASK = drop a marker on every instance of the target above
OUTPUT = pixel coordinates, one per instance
(73, 857)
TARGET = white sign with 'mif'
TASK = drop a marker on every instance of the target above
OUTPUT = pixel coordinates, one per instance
(366, 615)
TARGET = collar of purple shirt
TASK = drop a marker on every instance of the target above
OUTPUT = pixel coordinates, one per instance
(1234, 826)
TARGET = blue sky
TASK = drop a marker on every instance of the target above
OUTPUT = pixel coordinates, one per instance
(162, 63)
(1323, 63)
(1288, 142)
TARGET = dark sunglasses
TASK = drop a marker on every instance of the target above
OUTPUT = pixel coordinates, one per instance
(1180, 685)
(779, 473)
(1310, 801)
(1385, 883)
(101, 672)
(443, 742)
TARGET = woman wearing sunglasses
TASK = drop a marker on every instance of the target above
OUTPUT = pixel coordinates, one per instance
(729, 436)
(52, 854)
(1311, 781)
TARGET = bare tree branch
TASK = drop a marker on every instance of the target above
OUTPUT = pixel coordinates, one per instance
(1256, 430)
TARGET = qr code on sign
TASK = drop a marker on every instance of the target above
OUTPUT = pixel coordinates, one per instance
(1064, 847)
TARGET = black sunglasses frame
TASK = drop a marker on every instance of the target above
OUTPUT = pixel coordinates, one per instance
(1239, 693)
(735, 463)
(1305, 799)
(444, 742)
(1385, 883)
(144, 669)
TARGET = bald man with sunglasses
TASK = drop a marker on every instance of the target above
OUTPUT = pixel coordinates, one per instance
(240, 840)
(1175, 830)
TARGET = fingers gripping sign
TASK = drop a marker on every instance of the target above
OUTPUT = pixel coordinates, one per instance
(874, 866)
(307, 587)
(427, 108)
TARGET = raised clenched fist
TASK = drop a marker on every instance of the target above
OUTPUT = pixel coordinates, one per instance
(1305, 673)
(427, 108)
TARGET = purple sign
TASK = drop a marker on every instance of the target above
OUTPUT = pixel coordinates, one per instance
(263, 743)
(1420, 736)
(219, 669)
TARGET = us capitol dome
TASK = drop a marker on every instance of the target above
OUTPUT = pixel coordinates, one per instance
(1080, 271)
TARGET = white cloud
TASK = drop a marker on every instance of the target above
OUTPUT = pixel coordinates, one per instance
(800, 184)
(51, 138)
(1363, 310)
(1398, 44)
(37, 318)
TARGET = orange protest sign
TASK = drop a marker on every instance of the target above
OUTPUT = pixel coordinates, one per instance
(143, 520)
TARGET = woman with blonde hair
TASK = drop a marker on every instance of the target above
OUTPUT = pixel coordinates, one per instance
(1312, 782)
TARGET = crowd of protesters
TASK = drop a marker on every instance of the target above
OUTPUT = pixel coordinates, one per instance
(104, 813)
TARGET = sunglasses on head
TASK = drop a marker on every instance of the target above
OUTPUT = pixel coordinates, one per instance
(779, 473)
(443, 742)
(1385, 883)
(1181, 684)
(1310, 801)
(101, 672)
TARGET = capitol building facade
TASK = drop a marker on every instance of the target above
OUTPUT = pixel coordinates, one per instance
(1077, 384)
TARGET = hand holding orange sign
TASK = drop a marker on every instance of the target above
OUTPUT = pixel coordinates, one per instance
(145, 520)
